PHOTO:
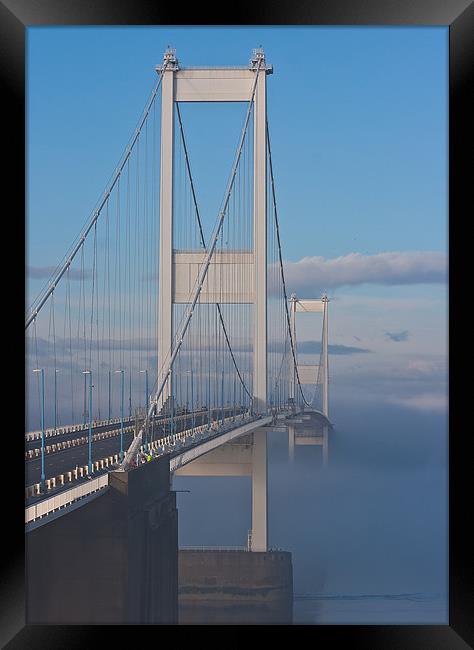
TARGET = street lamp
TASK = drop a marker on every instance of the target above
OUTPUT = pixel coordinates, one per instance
(146, 396)
(192, 402)
(55, 400)
(146, 387)
(121, 416)
(222, 394)
(171, 402)
(84, 414)
(110, 387)
(193, 414)
(89, 372)
(41, 370)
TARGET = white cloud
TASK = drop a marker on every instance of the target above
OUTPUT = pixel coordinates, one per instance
(423, 366)
(437, 402)
(46, 272)
(312, 274)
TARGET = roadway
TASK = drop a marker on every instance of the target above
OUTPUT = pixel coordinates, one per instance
(174, 450)
(179, 451)
(71, 435)
(66, 460)
(74, 435)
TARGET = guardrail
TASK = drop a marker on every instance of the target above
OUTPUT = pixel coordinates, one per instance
(104, 463)
(157, 447)
(73, 475)
(214, 548)
(64, 499)
(31, 454)
(72, 428)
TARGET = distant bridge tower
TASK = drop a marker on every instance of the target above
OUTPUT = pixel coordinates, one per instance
(178, 270)
(309, 374)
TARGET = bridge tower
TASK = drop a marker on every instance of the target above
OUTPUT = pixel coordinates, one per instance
(308, 372)
(177, 271)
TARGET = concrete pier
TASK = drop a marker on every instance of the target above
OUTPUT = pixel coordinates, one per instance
(113, 560)
(235, 586)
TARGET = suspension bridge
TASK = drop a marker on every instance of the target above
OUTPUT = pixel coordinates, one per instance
(164, 332)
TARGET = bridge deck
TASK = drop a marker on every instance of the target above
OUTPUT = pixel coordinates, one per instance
(190, 446)
(67, 454)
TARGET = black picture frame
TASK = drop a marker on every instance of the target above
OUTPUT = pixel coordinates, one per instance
(15, 17)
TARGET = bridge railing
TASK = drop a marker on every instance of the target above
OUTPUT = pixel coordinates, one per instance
(73, 428)
(214, 548)
(45, 507)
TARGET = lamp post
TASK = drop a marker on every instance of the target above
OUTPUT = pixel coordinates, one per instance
(41, 370)
(233, 419)
(192, 402)
(84, 414)
(146, 396)
(121, 415)
(146, 387)
(55, 400)
(222, 400)
(110, 387)
(171, 404)
(89, 464)
(193, 414)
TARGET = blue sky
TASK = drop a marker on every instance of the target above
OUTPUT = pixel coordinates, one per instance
(358, 122)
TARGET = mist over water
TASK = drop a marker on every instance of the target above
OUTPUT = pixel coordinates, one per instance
(367, 533)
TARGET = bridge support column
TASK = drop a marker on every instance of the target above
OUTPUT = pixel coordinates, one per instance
(292, 393)
(165, 302)
(259, 491)
(325, 391)
(325, 445)
(291, 442)
(260, 246)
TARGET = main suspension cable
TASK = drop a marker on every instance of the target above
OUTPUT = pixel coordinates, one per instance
(62, 267)
(203, 243)
(281, 266)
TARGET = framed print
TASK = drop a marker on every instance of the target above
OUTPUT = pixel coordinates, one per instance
(241, 389)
